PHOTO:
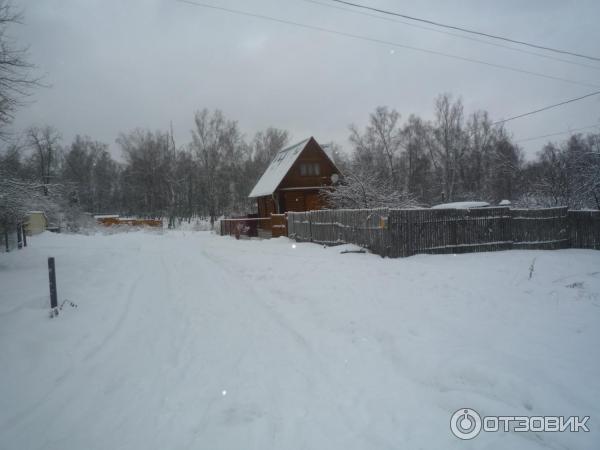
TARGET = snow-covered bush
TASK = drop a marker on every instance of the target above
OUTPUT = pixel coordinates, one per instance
(361, 190)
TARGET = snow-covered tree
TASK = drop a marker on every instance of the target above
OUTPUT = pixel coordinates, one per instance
(18, 197)
(366, 190)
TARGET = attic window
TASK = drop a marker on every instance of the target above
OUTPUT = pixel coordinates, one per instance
(310, 169)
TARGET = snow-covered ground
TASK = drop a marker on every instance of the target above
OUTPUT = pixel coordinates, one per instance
(187, 340)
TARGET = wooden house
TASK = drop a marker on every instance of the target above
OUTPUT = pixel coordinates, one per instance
(294, 179)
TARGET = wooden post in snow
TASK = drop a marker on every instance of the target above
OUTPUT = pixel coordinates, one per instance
(52, 279)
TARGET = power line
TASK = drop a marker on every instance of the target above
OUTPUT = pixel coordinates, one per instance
(466, 30)
(260, 16)
(557, 134)
(388, 43)
(545, 108)
(460, 36)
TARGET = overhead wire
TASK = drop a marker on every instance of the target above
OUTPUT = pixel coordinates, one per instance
(385, 42)
(460, 36)
(573, 130)
(546, 108)
(467, 30)
(380, 41)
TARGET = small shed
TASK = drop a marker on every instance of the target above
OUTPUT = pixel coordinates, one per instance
(36, 223)
(294, 179)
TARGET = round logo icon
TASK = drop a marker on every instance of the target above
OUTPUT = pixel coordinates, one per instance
(465, 423)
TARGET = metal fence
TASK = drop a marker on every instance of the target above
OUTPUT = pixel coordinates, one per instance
(397, 232)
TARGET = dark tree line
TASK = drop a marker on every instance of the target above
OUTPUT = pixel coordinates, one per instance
(392, 163)
(459, 157)
(209, 177)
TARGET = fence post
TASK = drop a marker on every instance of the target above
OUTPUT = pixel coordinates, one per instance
(52, 279)
(24, 233)
(19, 236)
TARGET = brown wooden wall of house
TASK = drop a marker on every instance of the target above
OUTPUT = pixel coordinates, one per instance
(266, 207)
(305, 200)
(311, 154)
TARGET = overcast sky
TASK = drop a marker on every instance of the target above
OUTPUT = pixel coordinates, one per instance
(114, 65)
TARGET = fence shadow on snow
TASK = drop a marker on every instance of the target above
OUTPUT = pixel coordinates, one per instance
(399, 232)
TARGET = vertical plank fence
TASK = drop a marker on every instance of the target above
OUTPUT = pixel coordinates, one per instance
(398, 232)
(584, 228)
(449, 230)
(541, 229)
(278, 225)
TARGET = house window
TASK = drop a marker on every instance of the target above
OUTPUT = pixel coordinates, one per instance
(310, 169)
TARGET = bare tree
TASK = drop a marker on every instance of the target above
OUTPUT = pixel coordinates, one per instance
(477, 167)
(378, 148)
(45, 143)
(415, 166)
(448, 153)
(16, 79)
(89, 167)
(503, 181)
(266, 144)
(590, 171)
(147, 180)
(217, 144)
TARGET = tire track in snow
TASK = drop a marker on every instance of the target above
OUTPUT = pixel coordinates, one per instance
(23, 414)
(275, 317)
(230, 322)
(120, 321)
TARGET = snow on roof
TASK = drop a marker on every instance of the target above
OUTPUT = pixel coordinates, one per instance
(279, 167)
(106, 216)
(505, 203)
(461, 205)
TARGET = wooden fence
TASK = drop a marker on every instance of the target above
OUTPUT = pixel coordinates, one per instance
(397, 232)
(253, 226)
(540, 228)
(278, 225)
(112, 221)
(584, 229)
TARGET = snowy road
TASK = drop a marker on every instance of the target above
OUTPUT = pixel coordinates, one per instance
(193, 341)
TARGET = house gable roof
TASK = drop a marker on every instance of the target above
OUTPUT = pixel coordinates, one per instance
(278, 169)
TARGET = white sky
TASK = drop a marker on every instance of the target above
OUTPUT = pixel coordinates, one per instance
(114, 65)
